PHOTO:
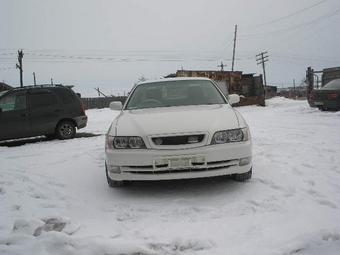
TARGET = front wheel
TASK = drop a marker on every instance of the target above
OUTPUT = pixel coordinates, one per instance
(242, 177)
(66, 130)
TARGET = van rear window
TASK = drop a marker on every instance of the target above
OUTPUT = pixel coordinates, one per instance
(65, 95)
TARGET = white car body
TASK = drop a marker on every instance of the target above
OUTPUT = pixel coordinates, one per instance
(195, 159)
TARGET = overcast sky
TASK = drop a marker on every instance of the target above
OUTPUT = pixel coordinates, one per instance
(110, 44)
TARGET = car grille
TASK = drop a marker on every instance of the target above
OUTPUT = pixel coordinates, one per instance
(178, 140)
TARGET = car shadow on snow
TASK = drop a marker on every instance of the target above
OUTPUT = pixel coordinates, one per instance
(37, 139)
(199, 187)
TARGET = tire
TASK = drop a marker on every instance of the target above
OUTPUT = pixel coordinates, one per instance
(65, 130)
(242, 177)
(112, 183)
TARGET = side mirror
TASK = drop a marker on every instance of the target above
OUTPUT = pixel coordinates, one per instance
(116, 105)
(233, 99)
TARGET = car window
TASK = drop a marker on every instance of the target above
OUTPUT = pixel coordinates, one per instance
(13, 102)
(65, 95)
(174, 93)
(39, 100)
(334, 84)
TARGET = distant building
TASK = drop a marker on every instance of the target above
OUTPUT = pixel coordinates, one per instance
(271, 91)
(4, 87)
(293, 92)
(329, 74)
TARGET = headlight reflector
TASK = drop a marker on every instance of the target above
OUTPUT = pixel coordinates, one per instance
(220, 137)
(135, 142)
(120, 142)
(235, 135)
(125, 142)
(230, 136)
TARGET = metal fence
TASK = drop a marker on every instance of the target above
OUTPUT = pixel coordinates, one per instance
(100, 102)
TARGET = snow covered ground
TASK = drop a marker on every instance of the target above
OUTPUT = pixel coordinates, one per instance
(54, 198)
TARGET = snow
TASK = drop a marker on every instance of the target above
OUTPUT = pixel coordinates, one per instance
(54, 198)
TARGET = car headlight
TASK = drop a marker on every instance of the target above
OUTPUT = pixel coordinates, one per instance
(125, 142)
(230, 136)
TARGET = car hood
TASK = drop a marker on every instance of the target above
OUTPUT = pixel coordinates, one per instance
(175, 120)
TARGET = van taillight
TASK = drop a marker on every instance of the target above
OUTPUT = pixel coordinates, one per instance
(82, 108)
(311, 96)
(333, 96)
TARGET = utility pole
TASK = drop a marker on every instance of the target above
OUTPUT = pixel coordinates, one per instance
(35, 82)
(232, 67)
(261, 59)
(310, 79)
(99, 92)
(19, 66)
(222, 66)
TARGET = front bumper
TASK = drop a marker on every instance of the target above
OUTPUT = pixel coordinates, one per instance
(139, 164)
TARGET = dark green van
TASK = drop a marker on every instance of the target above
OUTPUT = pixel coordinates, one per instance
(53, 110)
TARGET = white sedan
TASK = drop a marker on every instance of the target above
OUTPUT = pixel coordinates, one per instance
(177, 128)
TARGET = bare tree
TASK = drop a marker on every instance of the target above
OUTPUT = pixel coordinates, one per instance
(141, 79)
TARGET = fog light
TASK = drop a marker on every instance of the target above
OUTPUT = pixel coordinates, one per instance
(245, 161)
(114, 169)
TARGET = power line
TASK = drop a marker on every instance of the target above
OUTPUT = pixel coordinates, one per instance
(7, 68)
(300, 29)
(285, 17)
(307, 58)
(292, 28)
(303, 39)
(6, 54)
(117, 59)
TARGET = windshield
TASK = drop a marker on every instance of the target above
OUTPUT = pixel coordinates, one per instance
(334, 84)
(174, 93)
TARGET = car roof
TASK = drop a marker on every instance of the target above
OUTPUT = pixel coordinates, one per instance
(174, 79)
(36, 87)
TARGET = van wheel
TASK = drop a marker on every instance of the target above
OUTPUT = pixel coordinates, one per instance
(65, 130)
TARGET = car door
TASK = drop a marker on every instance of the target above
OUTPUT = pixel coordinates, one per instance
(14, 116)
(45, 111)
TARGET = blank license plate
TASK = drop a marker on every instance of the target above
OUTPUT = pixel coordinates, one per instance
(179, 162)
